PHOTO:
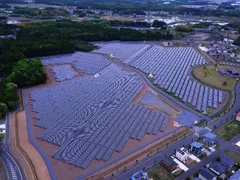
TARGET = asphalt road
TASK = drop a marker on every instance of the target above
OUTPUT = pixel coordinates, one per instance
(14, 171)
(231, 113)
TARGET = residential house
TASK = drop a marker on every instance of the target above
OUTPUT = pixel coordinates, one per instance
(227, 162)
(196, 148)
(235, 176)
(168, 163)
(210, 138)
(182, 154)
(217, 168)
(205, 174)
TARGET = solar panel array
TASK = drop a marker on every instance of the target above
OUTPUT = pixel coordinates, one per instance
(229, 64)
(124, 51)
(87, 62)
(90, 118)
(64, 72)
(170, 67)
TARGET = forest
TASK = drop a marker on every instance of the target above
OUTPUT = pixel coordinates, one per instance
(24, 73)
(64, 36)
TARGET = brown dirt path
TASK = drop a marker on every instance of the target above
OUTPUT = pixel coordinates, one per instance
(16, 151)
(35, 157)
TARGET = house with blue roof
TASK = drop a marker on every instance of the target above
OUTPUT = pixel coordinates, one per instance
(196, 148)
(210, 138)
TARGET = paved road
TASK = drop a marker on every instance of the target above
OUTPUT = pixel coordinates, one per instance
(14, 171)
(231, 113)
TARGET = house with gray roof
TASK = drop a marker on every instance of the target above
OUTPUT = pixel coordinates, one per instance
(227, 162)
(217, 168)
(205, 174)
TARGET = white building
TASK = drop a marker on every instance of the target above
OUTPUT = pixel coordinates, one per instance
(182, 154)
(2, 128)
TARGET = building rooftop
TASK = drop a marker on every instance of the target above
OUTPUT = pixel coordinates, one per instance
(227, 161)
(196, 144)
(218, 167)
(168, 161)
(183, 151)
(238, 114)
(235, 176)
(206, 173)
(210, 135)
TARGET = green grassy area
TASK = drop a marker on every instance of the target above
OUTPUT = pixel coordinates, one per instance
(158, 172)
(2, 137)
(233, 155)
(208, 75)
(229, 130)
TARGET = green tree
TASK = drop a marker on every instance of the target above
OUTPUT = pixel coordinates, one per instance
(217, 158)
(3, 110)
(160, 24)
(224, 83)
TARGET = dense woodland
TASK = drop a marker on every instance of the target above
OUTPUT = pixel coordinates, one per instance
(43, 13)
(50, 38)
(24, 73)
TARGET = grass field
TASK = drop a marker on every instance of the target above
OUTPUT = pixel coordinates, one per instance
(211, 77)
(228, 131)
(1, 137)
(233, 155)
(158, 172)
